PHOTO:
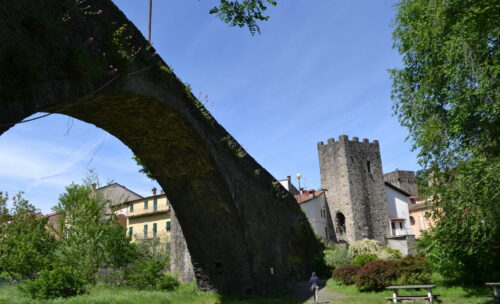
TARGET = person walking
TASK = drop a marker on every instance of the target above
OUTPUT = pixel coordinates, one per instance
(314, 285)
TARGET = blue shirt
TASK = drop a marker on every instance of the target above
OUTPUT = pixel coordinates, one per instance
(314, 281)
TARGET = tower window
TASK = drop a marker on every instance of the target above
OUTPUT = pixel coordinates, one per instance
(340, 222)
(369, 167)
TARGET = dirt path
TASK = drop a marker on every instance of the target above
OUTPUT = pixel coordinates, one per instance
(303, 293)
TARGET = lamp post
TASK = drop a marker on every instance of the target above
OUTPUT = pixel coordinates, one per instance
(298, 175)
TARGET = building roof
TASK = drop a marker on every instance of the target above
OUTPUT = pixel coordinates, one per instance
(418, 207)
(308, 195)
(397, 189)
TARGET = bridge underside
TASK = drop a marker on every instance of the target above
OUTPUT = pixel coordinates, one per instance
(94, 65)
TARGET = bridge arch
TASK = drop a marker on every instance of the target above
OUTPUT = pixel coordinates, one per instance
(237, 220)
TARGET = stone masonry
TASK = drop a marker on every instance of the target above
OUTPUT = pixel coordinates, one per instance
(351, 172)
(404, 180)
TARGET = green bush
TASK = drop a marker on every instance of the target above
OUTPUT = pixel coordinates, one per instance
(346, 274)
(364, 258)
(337, 257)
(413, 270)
(59, 282)
(148, 274)
(376, 275)
(167, 282)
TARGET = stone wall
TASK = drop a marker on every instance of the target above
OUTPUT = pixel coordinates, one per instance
(180, 259)
(351, 172)
(404, 180)
(403, 243)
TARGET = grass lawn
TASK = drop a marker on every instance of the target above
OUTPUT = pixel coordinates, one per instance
(189, 294)
(449, 295)
(186, 294)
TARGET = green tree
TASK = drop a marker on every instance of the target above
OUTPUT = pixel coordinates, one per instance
(26, 246)
(447, 95)
(91, 237)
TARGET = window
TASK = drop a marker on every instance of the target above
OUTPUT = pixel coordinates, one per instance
(168, 226)
(154, 229)
(155, 205)
(130, 231)
(369, 167)
(393, 225)
(146, 205)
(326, 233)
(412, 221)
(146, 231)
(400, 225)
(131, 207)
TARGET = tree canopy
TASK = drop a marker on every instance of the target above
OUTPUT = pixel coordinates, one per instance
(243, 13)
(446, 95)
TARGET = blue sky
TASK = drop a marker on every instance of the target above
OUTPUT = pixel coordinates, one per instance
(318, 70)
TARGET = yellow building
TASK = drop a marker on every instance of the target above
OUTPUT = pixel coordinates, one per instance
(149, 218)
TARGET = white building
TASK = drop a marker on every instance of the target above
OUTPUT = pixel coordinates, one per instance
(398, 203)
(314, 205)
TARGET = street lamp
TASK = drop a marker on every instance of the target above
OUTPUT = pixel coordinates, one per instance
(298, 175)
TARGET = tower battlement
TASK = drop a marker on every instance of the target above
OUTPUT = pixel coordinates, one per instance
(345, 138)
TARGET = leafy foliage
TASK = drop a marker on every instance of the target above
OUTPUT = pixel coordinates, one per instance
(413, 270)
(465, 243)
(242, 13)
(143, 168)
(91, 238)
(62, 281)
(337, 257)
(25, 244)
(364, 258)
(148, 273)
(346, 274)
(447, 95)
(376, 275)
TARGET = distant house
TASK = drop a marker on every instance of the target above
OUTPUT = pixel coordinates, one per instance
(398, 202)
(419, 219)
(149, 218)
(314, 205)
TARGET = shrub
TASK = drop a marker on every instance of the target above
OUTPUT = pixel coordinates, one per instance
(364, 258)
(376, 275)
(148, 274)
(387, 253)
(346, 274)
(413, 270)
(337, 257)
(364, 246)
(367, 246)
(167, 282)
(62, 281)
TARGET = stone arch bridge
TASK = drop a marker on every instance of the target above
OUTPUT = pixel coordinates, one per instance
(85, 59)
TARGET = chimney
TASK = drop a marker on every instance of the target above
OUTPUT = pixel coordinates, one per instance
(153, 190)
(94, 186)
(162, 192)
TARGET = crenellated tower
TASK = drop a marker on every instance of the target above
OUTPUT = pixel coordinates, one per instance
(351, 172)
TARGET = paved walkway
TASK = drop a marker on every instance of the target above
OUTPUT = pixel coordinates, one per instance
(302, 292)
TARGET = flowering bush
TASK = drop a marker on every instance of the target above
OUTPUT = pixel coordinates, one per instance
(346, 274)
(376, 275)
(367, 246)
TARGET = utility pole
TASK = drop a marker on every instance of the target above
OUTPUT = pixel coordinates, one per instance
(150, 17)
